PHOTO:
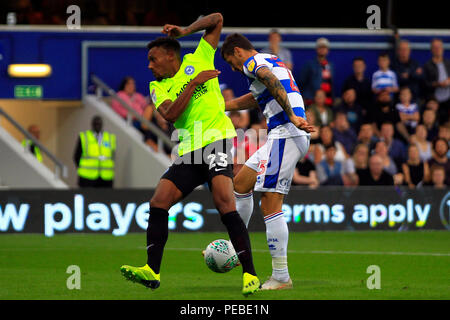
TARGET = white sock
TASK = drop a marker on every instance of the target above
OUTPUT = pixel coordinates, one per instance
(244, 206)
(277, 239)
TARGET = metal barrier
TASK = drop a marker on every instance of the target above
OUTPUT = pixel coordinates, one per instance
(60, 168)
(162, 136)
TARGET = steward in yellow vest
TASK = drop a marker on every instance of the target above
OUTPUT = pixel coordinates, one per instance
(28, 144)
(33, 129)
(94, 156)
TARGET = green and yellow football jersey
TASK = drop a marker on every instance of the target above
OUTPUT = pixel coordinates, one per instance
(204, 120)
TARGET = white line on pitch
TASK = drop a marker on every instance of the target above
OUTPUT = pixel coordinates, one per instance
(394, 253)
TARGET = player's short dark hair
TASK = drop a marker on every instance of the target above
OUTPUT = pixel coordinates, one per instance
(383, 54)
(235, 40)
(166, 43)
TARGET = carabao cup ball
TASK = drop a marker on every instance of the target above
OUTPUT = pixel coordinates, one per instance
(220, 256)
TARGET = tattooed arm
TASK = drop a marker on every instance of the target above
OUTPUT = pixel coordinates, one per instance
(212, 24)
(276, 89)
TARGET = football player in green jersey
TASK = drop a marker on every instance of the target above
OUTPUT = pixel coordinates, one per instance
(187, 93)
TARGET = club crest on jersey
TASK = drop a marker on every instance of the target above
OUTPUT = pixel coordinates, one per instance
(251, 65)
(189, 70)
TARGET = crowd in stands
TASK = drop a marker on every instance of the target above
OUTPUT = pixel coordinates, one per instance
(388, 128)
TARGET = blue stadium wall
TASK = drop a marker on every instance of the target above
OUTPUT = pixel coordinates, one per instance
(117, 52)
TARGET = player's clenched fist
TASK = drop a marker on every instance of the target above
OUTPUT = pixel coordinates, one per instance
(205, 75)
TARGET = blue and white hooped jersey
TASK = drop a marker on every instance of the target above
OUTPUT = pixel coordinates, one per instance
(278, 122)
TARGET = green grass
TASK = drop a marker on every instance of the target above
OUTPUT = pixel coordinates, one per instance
(323, 265)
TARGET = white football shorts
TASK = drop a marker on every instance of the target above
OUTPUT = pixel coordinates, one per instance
(275, 162)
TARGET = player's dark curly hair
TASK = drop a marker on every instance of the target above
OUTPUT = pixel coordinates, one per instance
(166, 43)
(235, 40)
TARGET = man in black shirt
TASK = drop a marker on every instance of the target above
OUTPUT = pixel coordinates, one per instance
(361, 84)
(375, 175)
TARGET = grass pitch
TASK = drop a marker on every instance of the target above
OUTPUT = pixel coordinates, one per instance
(323, 265)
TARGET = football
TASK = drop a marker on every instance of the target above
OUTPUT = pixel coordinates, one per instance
(220, 256)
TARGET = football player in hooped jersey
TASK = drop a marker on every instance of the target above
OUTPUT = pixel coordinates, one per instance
(270, 169)
(187, 93)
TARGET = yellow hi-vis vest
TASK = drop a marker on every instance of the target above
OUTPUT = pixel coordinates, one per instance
(36, 151)
(97, 159)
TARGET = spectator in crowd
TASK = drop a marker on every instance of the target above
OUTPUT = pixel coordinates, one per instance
(437, 177)
(330, 171)
(396, 148)
(408, 112)
(431, 104)
(375, 175)
(408, 71)
(34, 130)
(440, 150)
(343, 133)
(245, 143)
(322, 112)
(388, 164)
(383, 111)
(94, 156)
(359, 160)
(318, 74)
(361, 84)
(444, 131)
(384, 79)
(127, 92)
(305, 172)
(367, 136)
(437, 79)
(415, 171)
(276, 48)
(351, 108)
(430, 123)
(423, 145)
(166, 127)
(327, 138)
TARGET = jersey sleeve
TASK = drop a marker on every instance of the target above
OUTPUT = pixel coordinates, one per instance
(204, 52)
(158, 93)
(253, 64)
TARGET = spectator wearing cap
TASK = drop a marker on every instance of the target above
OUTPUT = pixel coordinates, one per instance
(318, 74)
(276, 48)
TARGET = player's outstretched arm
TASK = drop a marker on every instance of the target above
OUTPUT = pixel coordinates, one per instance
(171, 110)
(247, 101)
(212, 24)
(277, 91)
